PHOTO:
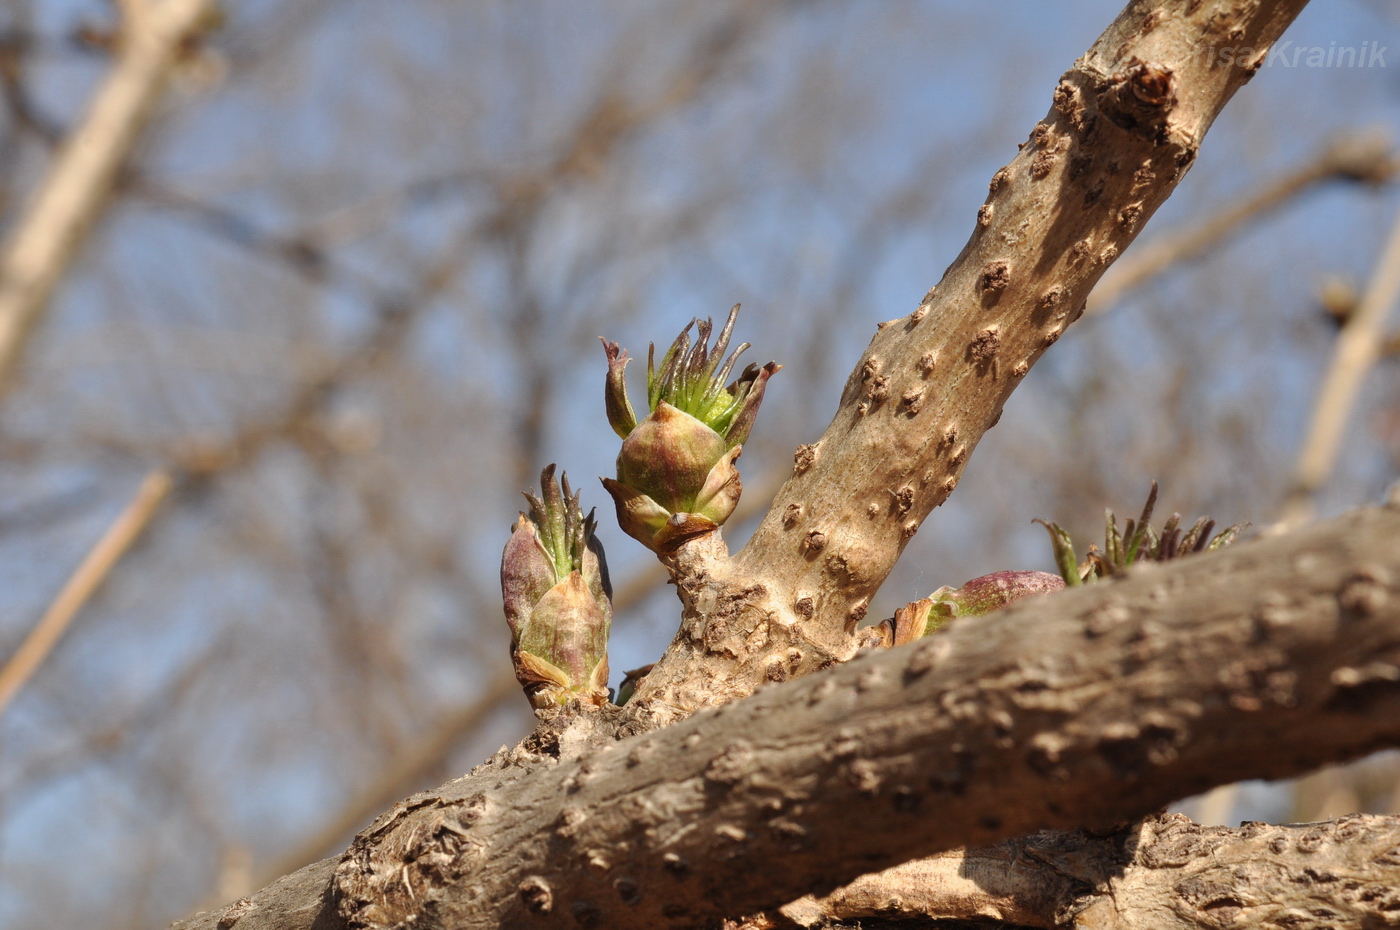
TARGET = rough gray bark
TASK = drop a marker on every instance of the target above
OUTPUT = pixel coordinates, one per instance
(1165, 873)
(1080, 710)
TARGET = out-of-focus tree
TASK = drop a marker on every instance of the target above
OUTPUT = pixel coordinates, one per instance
(347, 291)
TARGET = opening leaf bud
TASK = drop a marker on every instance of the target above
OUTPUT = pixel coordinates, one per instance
(558, 599)
(676, 477)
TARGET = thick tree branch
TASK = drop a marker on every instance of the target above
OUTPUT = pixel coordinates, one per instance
(1126, 122)
(1165, 873)
(1084, 709)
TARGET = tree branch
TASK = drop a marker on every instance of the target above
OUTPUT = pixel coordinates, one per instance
(58, 219)
(82, 584)
(1125, 125)
(1359, 347)
(1083, 709)
(1357, 350)
(1114, 700)
(1365, 158)
(1165, 873)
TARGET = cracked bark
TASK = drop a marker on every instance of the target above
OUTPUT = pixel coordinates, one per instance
(1164, 873)
(1080, 710)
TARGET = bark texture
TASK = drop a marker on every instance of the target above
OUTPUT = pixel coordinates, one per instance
(1165, 873)
(1085, 709)
(1124, 127)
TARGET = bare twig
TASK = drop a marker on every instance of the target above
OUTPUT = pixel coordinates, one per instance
(57, 221)
(1359, 346)
(80, 587)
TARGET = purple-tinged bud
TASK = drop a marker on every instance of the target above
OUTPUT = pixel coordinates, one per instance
(1138, 542)
(618, 405)
(669, 457)
(987, 593)
(979, 596)
(558, 599)
(527, 573)
(563, 650)
(676, 477)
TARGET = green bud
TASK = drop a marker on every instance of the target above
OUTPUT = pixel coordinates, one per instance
(676, 477)
(1138, 542)
(558, 599)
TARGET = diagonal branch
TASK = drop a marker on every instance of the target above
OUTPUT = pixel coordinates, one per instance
(82, 584)
(1365, 158)
(1359, 347)
(1126, 122)
(56, 223)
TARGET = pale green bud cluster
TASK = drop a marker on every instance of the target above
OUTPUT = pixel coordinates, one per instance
(676, 477)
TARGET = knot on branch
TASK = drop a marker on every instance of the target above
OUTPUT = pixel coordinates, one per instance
(1140, 99)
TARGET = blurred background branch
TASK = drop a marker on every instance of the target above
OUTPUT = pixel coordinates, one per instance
(53, 228)
(1360, 344)
(1358, 157)
(80, 587)
(412, 769)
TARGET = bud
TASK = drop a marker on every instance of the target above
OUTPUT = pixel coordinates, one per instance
(558, 600)
(630, 681)
(987, 593)
(676, 477)
(1138, 542)
(979, 596)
